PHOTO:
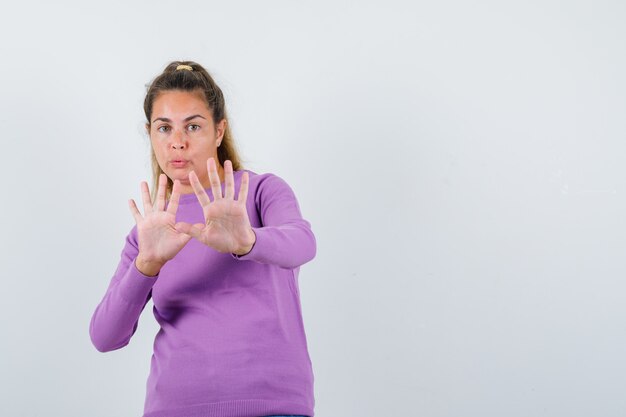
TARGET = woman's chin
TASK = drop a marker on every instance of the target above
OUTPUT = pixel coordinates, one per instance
(182, 177)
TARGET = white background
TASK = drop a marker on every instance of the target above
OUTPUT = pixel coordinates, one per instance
(461, 163)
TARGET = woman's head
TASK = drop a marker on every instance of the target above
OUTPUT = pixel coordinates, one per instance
(186, 89)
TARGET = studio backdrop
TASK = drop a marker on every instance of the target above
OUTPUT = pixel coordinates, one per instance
(462, 165)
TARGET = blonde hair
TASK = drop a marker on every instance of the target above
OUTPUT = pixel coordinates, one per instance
(178, 76)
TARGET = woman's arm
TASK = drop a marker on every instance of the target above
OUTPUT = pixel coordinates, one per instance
(149, 245)
(116, 318)
(285, 238)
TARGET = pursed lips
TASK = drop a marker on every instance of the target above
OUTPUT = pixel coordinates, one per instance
(179, 162)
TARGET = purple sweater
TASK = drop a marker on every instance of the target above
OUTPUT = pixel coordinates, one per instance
(232, 340)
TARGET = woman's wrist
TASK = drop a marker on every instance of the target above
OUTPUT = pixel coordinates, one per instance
(148, 268)
(244, 250)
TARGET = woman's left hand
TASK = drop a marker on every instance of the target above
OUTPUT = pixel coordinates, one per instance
(227, 226)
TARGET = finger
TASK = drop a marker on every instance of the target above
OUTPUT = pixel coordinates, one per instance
(229, 180)
(172, 205)
(214, 178)
(203, 198)
(134, 210)
(145, 197)
(160, 200)
(194, 230)
(184, 237)
(243, 189)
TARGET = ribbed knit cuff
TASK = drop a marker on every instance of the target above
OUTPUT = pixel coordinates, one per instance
(263, 245)
(135, 286)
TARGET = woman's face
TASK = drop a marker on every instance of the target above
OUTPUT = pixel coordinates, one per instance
(184, 137)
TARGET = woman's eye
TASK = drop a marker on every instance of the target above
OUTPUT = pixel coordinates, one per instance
(193, 128)
(163, 129)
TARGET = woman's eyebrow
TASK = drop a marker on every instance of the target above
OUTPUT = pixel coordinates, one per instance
(165, 119)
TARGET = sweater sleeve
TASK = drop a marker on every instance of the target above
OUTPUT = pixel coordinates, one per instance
(284, 239)
(116, 318)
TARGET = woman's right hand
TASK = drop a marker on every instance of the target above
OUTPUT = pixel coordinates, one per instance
(159, 241)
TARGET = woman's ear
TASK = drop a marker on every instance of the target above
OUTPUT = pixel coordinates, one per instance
(220, 128)
(148, 128)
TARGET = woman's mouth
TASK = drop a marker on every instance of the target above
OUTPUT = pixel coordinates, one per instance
(179, 163)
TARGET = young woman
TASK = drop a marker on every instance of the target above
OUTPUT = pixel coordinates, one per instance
(218, 250)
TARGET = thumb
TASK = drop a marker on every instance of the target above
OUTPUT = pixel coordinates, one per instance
(194, 230)
(184, 237)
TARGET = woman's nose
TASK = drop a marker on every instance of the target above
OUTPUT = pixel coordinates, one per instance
(178, 140)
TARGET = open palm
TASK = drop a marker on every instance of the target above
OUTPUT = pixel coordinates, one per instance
(158, 239)
(227, 226)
